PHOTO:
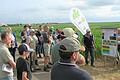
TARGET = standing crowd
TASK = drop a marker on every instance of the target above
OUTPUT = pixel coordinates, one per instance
(60, 50)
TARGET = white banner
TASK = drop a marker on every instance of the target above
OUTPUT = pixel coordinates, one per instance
(79, 20)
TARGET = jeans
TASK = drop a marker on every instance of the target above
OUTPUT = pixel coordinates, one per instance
(39, 49)
(7, 78)
(91, 51)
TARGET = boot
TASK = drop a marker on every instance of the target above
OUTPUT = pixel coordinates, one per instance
(36, 62)
(46, 69)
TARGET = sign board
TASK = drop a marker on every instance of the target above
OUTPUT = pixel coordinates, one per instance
(79, 20)
(109, 41)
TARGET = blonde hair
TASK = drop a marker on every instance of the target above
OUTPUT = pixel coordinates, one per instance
(45, 27)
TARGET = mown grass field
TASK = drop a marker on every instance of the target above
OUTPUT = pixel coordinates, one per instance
(95, 28)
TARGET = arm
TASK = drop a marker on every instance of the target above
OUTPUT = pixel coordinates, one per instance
(82, 48)
(24, 76)
(12, 63)
(81, 59)
(8, 58)
(83, 41)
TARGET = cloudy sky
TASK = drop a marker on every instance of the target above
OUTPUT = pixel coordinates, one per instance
(38, 11)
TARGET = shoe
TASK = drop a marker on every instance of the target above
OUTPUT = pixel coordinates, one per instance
(36, 62)
(86, 64)
(32, 70)
(93, 65)
(37, 68)
(50, 63)
(117, 61)
(46, 69)
(48, 66)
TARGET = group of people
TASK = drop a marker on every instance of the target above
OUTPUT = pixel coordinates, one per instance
(60, 48)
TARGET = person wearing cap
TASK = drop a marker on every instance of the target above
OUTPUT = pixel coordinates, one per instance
(23, 67)
(69, 32)
(32, 41)
(6, 58)
(55, 49)
(65, 68)
(88, 42)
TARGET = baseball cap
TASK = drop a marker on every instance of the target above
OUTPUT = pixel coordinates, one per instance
(69, 44)
(87, 30)
(69, 32)
(24, 47)
(31, 30)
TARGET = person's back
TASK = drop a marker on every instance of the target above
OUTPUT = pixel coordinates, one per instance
(68, 72)
(66, 68)
(55, 53)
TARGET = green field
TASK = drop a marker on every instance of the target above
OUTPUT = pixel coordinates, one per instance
(95, 28)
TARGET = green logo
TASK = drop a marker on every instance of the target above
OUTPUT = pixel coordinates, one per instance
(75, 14)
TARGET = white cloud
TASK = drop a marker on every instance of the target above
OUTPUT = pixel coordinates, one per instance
(12, 11)
(100, 2)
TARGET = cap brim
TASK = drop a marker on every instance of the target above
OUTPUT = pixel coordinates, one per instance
(75, 35)
(31, 50)
(88, 32)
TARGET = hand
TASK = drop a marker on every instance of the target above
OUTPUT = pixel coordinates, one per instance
(82, 48)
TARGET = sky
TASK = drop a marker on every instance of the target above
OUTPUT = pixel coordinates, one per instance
(45, 11)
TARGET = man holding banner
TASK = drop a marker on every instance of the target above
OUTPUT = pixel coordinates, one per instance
(79, 20)
(88, 42)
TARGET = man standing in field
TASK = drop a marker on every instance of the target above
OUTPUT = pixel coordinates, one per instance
(6, 60)
(46, 46)
(88, 42)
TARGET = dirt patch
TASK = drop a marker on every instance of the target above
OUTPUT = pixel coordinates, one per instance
(104, 70)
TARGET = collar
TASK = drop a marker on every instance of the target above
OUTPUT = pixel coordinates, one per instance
(2, 43)
(69, 64)
(66, 62)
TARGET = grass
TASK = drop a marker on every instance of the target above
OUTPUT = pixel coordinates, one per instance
(95, 29)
